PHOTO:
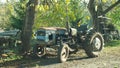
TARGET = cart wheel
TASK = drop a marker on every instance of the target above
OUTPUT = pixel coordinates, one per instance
(39, 51)
(63, 52)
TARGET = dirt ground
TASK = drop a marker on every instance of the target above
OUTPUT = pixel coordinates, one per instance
(109, 58)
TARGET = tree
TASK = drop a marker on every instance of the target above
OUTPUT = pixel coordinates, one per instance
(99, 11)
(29, 21)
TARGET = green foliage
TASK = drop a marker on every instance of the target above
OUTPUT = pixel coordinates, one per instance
(58, 13)
(113, 43)
(18, 16)
(12, 14)
(4, 15)
(115, 16)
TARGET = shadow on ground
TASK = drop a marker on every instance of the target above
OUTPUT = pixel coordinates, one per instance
(32, 62)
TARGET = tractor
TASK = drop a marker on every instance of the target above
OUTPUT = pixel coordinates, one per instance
(68, 41)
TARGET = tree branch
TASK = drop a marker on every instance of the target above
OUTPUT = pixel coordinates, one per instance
(111, 7)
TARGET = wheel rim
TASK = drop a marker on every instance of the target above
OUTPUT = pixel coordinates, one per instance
(96, 44)
(64, 54)
(40, 51)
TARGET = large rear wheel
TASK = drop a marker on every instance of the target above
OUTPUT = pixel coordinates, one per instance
(94, 45)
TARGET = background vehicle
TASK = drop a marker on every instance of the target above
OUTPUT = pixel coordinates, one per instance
(9, 42)
(11, 37)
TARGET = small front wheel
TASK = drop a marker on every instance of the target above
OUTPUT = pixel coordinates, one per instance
(63, 52)
(39, 51)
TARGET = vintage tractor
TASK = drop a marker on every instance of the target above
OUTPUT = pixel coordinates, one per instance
(68, 40)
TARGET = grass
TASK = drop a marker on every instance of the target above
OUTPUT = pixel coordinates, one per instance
(112, 48)
(113, 43)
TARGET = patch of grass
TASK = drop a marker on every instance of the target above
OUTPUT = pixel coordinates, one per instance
(113, 43)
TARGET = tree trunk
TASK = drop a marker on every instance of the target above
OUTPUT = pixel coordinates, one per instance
(97, 21)
(27, 29)
(95, 13)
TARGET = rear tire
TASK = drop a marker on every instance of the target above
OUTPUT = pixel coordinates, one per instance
(63, 52)
(94, 45)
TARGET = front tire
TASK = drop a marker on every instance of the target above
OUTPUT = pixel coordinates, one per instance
(63, 52)
(94, 45)
(39, 51)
